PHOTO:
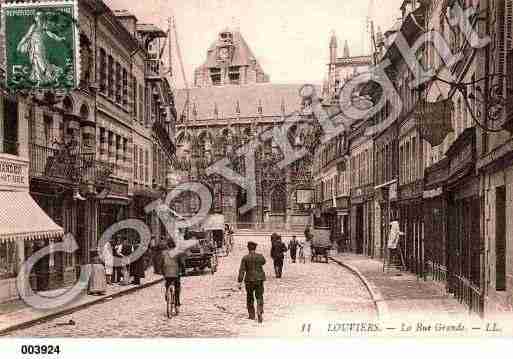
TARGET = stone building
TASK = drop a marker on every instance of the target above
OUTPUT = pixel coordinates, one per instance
(233, 102)
(96, 154)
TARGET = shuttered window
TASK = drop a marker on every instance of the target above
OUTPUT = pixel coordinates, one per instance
(136, 163)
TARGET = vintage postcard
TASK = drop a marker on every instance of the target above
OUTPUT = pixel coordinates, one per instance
(248, 169)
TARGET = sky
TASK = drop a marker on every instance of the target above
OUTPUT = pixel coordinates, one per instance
(290, 38)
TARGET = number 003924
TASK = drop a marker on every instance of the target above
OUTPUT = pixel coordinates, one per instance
(40, 349)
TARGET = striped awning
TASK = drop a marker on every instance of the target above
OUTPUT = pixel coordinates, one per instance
(21, 218)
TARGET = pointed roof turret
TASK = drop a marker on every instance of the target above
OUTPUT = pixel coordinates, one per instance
(333, 40)
(346, 49)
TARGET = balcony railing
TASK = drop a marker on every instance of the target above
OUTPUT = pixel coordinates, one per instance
(43, 163)
(55, 163)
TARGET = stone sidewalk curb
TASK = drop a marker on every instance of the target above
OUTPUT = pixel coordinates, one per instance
(60, 313)
(376, 295)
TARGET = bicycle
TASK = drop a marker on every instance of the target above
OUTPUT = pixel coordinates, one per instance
(171, 301)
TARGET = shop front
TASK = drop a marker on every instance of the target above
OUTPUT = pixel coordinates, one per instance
(435, 213)
(411, 221)
(341, 232)
(361, 221)
(114, 208)
(464, 242)
(24, 226)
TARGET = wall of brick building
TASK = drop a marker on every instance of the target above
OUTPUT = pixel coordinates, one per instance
(498, 301)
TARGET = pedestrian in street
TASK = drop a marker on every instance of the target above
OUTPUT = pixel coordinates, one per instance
(118, 270)
(293, 244)
(252, 273)
(126, 251)
(307, 248)
(393, 241)
(97, 280)
(171, 266)
(278, 250)
(108, 259)
(138, 269)
(308, 232)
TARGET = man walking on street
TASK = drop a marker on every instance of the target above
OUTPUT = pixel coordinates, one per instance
(252, 273)
(278, 250)
(293, 248)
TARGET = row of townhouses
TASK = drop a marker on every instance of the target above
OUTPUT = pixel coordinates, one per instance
(437, 157)
(76, 162)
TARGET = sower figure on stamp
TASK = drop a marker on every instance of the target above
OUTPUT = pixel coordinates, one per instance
(252, 273)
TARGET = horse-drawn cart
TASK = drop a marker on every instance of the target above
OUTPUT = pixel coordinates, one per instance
(321, 244)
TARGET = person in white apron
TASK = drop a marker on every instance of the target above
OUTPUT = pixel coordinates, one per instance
(307, 249)
(393, 240)
(97, 281)
(108, 259)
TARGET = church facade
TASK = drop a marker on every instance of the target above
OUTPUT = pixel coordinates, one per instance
(231, 103)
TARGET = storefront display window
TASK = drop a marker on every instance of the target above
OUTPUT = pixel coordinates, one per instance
(8, 256)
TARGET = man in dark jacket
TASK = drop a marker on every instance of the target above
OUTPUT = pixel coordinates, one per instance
(252, 273)
(278, 250)
(293, 244)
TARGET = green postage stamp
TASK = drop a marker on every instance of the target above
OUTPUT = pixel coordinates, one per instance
(41, 45)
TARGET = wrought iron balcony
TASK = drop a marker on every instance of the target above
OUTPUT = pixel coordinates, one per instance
(66, 165)
(164, 138)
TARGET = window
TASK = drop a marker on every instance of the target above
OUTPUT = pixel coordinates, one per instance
(141, 164)
(234, 75)
(10, 126)
(110, 77)
(103, 71)
(146, 166)
(118, 148)
(118, 82)
(414, 158)
(215, 75)
(125, 88)
(125, 149)
(147, 103)
(8, 256)
(401, 164)
(141, 104)
(48, 122)
(136, 163)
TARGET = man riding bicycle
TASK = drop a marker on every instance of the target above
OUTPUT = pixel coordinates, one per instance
(172, 265)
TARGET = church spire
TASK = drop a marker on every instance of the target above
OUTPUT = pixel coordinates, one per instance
(333, 47)
(346, 49)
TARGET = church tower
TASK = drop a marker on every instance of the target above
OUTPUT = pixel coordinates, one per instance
(230, 61)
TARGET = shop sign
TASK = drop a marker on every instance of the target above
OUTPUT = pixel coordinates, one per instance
(41, 45)
(13, 174)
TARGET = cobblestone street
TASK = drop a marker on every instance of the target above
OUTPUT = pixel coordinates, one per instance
(311, 292)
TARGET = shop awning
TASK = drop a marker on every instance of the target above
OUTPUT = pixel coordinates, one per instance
(116, 200)
(22, 219)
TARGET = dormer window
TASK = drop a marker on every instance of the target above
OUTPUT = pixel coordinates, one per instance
(226, 36)
(215, 75)
(234, 75)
